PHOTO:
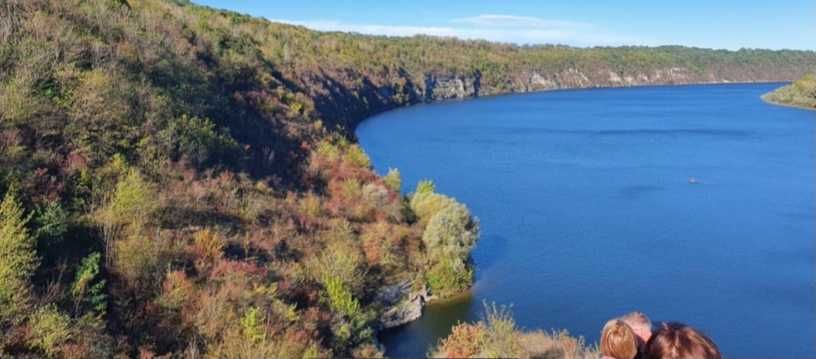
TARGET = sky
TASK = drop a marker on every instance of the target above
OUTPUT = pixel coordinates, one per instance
(728, 24)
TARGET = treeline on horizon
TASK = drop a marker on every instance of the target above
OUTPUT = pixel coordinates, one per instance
(181, 180)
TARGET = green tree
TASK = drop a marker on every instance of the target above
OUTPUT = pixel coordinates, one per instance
(18, 260)
(52, 223)
(425, 203)
(451, 231)
(88, 290)
(131, 205)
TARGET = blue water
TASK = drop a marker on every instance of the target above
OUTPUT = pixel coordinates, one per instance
(587, 210)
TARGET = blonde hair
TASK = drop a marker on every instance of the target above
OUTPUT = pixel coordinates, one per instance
(637, 320)
(618, 340)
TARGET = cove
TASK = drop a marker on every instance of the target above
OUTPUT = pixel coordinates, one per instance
(689, 203)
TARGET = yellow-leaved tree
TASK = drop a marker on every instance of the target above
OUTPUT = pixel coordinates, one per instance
(18, 261)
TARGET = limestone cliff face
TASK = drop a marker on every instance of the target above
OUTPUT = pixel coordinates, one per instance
(345, 98)
(451, 87)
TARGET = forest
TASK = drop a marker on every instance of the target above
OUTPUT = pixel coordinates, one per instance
(184, 181)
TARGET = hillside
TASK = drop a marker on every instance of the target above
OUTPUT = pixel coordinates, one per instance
(801, 93)
(182, 180)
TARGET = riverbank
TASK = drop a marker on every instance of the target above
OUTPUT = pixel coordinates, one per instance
(782, 104)
(799, 94)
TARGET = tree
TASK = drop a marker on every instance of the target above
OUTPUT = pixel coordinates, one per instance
(18, 260)
(451, 231)
(88, 289)
(131, 205)
(449, 236)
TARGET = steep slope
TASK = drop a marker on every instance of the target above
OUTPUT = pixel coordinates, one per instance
(801, 93)
(181, 180)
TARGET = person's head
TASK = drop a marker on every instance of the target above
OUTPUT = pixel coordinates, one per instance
(680, 341)
(618, 340)
(640, 324)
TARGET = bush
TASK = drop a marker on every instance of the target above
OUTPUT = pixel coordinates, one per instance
(497, 337)
(49, 329)
(103, 121)
(139, 260)
(252, 324)
(465, 341)
(209, 245)
(177, 289)
(199, 141)
(356, 156)
(393, 180)
(449, 276)
(502, 340)
(425, 187)
(340, 298)
(493, 337)
(342, 259)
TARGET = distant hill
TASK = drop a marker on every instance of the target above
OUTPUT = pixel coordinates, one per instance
(801, 93)
(183, 180)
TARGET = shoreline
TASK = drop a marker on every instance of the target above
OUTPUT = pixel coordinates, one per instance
(356, 123)
(782, 104)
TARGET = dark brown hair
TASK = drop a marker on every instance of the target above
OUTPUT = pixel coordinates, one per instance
(680, 341)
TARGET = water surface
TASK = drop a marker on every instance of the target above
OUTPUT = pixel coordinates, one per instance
(588, 211)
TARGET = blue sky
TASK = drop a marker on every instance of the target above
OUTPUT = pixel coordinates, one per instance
(730, 24)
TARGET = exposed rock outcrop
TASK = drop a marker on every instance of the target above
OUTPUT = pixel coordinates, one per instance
(403, 303)
(451, 87)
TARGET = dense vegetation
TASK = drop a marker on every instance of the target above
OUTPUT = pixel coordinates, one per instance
(801, 93)
(498, 337)
(181, 180)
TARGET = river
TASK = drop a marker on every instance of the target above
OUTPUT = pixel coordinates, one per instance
(689, 203)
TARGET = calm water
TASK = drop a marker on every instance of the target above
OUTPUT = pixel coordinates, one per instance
(587, 211)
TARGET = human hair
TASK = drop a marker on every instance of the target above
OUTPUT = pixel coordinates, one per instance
(637, 319)
(640, 324)
(618, 340)
(680, 341)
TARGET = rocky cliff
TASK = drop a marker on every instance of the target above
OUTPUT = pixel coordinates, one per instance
(348, 106)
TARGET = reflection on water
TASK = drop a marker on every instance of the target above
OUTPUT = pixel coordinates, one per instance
(436, 322)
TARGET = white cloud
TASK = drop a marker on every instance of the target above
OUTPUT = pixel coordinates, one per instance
(518, 22)
(499, 28)
(374, 29)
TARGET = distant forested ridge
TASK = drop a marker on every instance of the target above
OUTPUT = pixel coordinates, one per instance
(182, 180)
(801, 93)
